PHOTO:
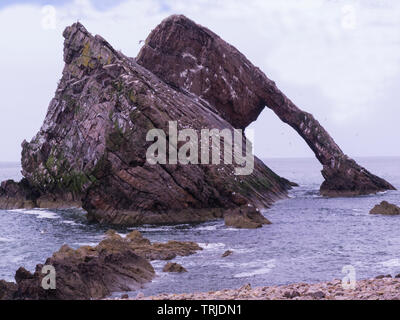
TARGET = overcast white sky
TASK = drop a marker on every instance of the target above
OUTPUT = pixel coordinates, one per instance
(339, 60)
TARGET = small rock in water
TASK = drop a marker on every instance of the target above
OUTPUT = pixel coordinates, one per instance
(227, 253)
(245, 218)
(174, 267)
(124, 297)
(386, 208)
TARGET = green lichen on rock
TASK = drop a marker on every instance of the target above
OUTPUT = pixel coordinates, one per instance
(86, 56)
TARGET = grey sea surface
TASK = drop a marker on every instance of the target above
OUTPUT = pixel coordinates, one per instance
(311, 238)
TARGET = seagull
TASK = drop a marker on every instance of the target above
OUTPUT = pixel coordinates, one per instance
(141, 41)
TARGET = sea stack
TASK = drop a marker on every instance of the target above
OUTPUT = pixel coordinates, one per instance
(193, 58)
(92, 145)
(91, 148)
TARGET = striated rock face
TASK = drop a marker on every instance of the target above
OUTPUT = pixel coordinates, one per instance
(91, 149)
(92, 145)
(386, 208)
(191, 58)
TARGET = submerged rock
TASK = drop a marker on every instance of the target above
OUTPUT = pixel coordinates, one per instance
(227, 253)
(245, 218)
(174, 267)
(386, 208)
(193, 58)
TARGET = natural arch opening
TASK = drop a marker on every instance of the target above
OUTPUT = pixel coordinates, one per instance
(282, 149)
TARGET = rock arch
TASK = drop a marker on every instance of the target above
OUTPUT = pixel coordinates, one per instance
(193, 59)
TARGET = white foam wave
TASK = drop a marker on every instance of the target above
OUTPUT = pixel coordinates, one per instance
(72, 223)
(155, 229)
(41, 214)
(209, 228)
(242, 250)
(212, 246)
(5, 239)
(391, 263)
(266, 268)
(231, 229)
(84, 244)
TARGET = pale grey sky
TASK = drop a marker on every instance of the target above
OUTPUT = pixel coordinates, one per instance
(339, 60)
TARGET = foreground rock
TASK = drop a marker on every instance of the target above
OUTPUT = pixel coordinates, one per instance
(386, 208)
(7, 290)
(372, 289)
(88, 272)
(160, 251)
(245, 218)
(116, 264)
(174, 268)
(92, 146)
(193, 58)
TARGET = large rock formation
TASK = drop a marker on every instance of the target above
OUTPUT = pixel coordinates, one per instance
(116, 264)
(192, 58)
(91, 149)
(85, 273)
(92, 145)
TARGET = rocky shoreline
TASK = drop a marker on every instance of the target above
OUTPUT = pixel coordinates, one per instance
(116, 264)
(380, 288)
(92, 152)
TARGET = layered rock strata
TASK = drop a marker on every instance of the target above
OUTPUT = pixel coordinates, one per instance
(116, 264)
(92, 145)
(91, 149)
(192, 58)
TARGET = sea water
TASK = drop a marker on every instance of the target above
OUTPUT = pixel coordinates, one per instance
(311, 238)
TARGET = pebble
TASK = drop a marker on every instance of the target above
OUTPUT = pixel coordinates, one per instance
(382, 288)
